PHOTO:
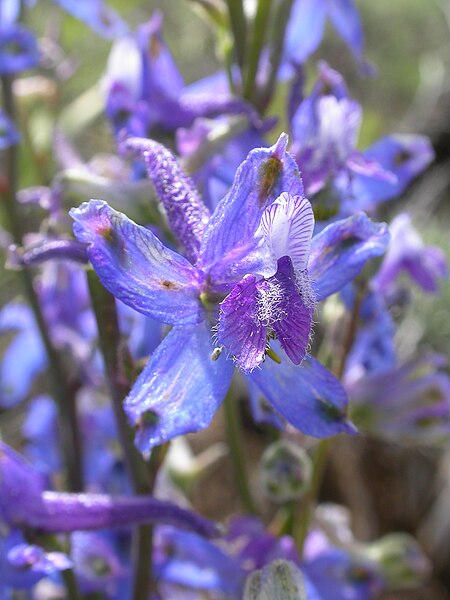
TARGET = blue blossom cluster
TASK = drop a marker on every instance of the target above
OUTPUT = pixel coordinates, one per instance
(257, 264)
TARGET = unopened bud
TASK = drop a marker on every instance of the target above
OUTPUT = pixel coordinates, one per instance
(400, 560)
(281, 580)
(285, 471)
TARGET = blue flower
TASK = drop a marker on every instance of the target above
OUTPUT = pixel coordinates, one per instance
(254, 275)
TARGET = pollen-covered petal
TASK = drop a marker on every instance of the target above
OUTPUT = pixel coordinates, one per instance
(180, 389)
(186, 212)
(339, 252)
(292, 320)
(240, 330)
(136, 267)
(288, 226)
(232, 244)
(309, 397)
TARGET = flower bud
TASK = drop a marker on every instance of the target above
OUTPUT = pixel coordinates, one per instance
(280, 579)
(285, 471)
(400, 559)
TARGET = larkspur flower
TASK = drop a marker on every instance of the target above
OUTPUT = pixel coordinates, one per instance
(255, 275)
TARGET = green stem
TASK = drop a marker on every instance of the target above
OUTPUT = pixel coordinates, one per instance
(62, 391)
(239, 29)
(73, 593)
(234, 436)
(281, 20)
(104, 306)
(258, 39)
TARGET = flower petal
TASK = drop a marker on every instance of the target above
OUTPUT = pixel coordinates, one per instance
(288, 226)
(241, 330)
(346, 19)
(339, 252)
(97, 15)
(293, 321)
(305, 29)
(136, 267)
(180, 389)
(232, 246)
(309, 397)
(185, 210)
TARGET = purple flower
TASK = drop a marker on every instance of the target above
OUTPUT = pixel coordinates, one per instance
(18, 50)
(325, 130)
(307, 25)
(250, 282)
(407, 253)
(25, 502)
(145, 89)
(409, 403)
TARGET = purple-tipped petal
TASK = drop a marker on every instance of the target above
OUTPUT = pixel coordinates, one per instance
(292, 322)
(241, 330)
(288, 225)
(339, 252)
(309, 397)
(232, 245)
(180, 389)
(136, 267)
(185, 210)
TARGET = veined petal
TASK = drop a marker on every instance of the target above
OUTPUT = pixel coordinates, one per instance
(309, 397)
(288, 225)
(180, 389)
(293, 320)
(136, 267)
(185, 210)
(241, 330)
(339, 252)
(232, 246)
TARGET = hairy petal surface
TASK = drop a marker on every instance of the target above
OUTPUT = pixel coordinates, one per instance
(233, 244)
(240, 328)
(309, 397)
(185, 210)
(136, 267)
(339, 252)
(180, 389)
(293, 321)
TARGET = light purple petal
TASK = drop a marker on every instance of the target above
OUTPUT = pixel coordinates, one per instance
(180, 389)
(346, 19)
(288, 225)
(305, 29)
(309, 397)
(97, 15)
(232, 245)
(292, 321)
(241, 330)
(340, 251)
(136, 267)
(186, 213)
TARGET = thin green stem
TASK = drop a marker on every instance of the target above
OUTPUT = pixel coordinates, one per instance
(62, 390)
(73, 593)
(104, 306)
(239, 29)
(281, 20)
(258, 38)
(234, 436)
